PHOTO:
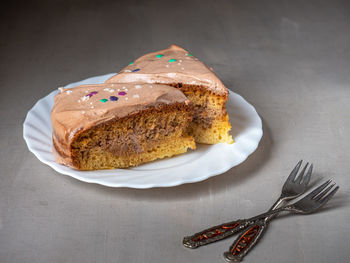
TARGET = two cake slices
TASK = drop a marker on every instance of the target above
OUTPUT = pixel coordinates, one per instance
(156, 107)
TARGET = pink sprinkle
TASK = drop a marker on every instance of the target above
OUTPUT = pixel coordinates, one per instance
(121, 93)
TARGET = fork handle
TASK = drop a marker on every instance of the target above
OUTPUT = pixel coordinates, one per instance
(219, 232)
(225, 230)
(214, 234)
(250, 237)
(246, 241)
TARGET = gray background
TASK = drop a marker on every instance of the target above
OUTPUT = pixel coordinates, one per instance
(290, 59)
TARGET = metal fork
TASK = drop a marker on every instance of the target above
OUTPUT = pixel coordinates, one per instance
(292, 188)
(308, 204)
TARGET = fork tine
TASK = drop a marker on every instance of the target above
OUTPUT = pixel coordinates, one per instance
(306, 180)
(323, 193)
(319, 189)
(301, 175)
(292, 175)
(328, 197)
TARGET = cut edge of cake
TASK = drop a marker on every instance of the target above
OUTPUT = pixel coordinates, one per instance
(95, 128)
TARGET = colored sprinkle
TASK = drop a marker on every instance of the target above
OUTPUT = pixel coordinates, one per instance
(132, 62)
(113, 98)
(91, 93)
(159, 56)
(136, 70)
(103, 100)
(122, 93)
(189, 55)
(172, 60)
(138, 86)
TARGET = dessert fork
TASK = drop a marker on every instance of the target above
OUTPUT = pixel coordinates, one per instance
(308, 204)
(292, 188)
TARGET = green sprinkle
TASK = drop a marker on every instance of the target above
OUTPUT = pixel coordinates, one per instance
(172, 60)
(189, 55)
(103, 100)
(159, 56)
(132, 62)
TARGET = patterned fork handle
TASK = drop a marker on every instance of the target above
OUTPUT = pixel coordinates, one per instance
(214, 234)
(246, 241)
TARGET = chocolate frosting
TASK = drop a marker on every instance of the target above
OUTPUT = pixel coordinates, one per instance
(168, 66)
(82, 107)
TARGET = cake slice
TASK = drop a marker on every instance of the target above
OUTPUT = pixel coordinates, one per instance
(178, 68)
(109, 126)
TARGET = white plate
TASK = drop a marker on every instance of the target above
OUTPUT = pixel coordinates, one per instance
(194, 166)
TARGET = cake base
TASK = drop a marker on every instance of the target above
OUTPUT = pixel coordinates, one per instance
(99, 159)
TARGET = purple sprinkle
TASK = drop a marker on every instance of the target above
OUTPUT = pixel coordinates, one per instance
(121, 93)
(136, 70)
(92, 93)
(113, 98)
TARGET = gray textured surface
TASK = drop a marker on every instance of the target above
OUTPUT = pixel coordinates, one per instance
(290, 59)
